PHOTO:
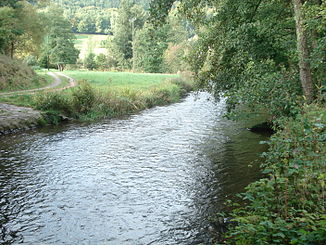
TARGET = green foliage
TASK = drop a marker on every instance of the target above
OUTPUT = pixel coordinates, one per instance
(130, 18)
(247, 49)
(149, 46)
(82, 98)
(52, 102)
(102, 62)
(174, 58)
(21, 29)
(88, 102)
(89, 62)
(288, 205)
(58, 46)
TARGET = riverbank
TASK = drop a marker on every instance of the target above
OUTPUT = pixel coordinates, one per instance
(108, 95)
(14, 118)
(87, 102)
(288, 205)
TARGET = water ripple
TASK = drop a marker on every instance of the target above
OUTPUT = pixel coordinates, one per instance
(152, 178)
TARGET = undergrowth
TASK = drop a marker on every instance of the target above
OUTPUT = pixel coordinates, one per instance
(288, 205)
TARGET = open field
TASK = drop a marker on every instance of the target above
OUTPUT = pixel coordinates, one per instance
(120, 80)
(88, 43)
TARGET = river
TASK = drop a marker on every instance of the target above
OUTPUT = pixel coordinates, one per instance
(152, 178)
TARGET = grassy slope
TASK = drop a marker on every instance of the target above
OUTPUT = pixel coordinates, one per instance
(89, 43)
(17, 76)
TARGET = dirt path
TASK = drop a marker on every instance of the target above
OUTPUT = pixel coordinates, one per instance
(52, 87)
(16, 118)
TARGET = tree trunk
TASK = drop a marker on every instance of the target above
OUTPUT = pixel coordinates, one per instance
(303, 52)
(12, 48)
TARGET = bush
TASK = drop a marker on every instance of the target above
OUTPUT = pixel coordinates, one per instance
(53, 102)
(83, 98)
(89, 62)
(288, 206)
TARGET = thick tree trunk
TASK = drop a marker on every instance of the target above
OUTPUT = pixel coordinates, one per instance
(303, 52)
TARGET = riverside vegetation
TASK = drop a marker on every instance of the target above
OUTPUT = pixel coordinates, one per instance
(268, 59)
(93, 100)
(107, 94)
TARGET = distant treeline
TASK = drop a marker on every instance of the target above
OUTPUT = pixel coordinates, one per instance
(98, 3)
(93, 16)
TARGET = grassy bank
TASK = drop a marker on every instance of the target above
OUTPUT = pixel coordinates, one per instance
(121, 80)
(17, 76)
(107, 94)
(288, 205)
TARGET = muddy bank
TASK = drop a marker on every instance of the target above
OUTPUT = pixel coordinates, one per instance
(14, 118)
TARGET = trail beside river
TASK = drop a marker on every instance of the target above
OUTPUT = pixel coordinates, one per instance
(14, 118)
(57, 81)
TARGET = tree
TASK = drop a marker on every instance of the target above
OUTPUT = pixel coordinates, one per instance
(89, 62)
(130, 18)
(7, 29)
(303, 51)
(58, 46)
(149, 46)
(101, 61)
(249, 50)
(20, 28)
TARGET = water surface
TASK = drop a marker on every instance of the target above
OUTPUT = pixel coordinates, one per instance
(152, 178)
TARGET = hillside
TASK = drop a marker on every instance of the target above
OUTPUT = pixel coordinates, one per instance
(15, 75)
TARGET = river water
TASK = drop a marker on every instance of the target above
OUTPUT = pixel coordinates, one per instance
(152, 178)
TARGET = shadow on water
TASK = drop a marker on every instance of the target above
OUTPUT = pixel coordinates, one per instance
(152, 178)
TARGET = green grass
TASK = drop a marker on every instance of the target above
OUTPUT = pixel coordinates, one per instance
(87, 43)
(120, 80)
(19, 100)
(107, 94)
(43, 80)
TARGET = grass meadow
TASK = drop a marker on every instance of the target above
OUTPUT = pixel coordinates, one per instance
(121, 80)
(90, 43)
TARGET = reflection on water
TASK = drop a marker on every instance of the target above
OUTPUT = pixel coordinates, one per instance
(152, 178)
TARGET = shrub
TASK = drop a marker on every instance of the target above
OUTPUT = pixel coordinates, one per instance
(53, 102)
(82, 98)
(288, 206)
(89, 61)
